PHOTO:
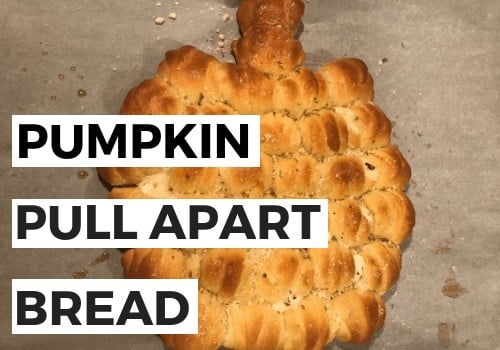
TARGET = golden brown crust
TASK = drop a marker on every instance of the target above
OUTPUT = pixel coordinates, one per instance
(381, 264)
(125, 176)
(268, 29)
(360, 314)
(322, 136)
(334, 177)
(277, 298)
(393, 215)
(221, 271)
(211, 327)
(334, 267)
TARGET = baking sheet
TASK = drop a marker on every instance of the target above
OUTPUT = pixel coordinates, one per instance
(436, 71)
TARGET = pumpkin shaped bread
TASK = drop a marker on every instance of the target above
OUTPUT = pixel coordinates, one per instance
(322, 136)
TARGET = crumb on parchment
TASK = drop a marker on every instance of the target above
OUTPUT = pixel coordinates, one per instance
(159, 20)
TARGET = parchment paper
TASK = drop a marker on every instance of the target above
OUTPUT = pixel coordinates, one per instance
(436, 71)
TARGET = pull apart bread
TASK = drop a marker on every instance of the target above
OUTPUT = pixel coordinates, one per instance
(322, 136)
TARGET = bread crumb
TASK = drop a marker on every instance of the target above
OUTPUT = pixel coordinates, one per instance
(383, 60)
(220, 44)
(221, 36)
(159, 20)
(217, 30)
(226, 17)
(158, 4)
(172, 15)
(82, 174)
